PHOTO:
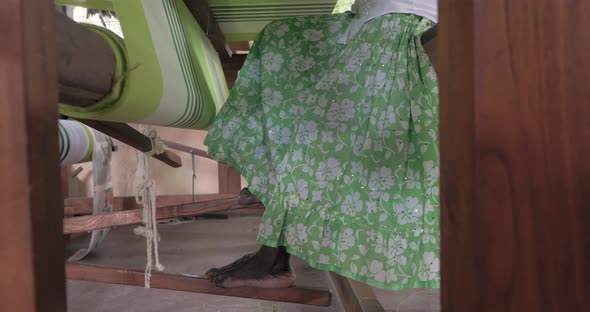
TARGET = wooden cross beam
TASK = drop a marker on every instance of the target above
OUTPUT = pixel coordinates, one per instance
(82, 272)
(186, 149)
(84, 206)
(130, 217)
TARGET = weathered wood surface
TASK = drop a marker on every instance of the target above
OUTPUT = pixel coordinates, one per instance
(515, 140)
(31, 242)
(130, 217)
(91, 273)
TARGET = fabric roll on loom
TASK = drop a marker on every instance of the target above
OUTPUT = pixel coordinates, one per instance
(167, 72)
(76, 142)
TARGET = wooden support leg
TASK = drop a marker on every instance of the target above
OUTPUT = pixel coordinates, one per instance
(31, 244)
(515, 140)
(195, 285)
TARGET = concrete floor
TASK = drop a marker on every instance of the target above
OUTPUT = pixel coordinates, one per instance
(193, 247)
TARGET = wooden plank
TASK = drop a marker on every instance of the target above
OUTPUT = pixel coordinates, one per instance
(170, 158)
(128, 135)
(84, 206)
(86, 64)
(75, 271)
(357, 298)
(31, 243)
(514, 155)
(130, 217)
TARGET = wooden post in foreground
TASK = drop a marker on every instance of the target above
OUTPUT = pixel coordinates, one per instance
(515, 143)
(31, 242)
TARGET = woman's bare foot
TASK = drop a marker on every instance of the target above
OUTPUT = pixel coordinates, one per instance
(267, 268)
(238, 262)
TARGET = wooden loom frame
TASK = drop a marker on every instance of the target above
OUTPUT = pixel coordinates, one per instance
(496, 196)
(229, 183)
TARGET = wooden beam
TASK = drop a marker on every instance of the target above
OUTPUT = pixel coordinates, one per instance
(31, 242)
(86, 64)
(84, 206)
(357, 298)
(128, 135)
(514, 129)
(200, 10)
(130, 217)
(81, 272)
(186, 149)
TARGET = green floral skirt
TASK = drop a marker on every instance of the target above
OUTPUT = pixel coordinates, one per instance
(340, 143)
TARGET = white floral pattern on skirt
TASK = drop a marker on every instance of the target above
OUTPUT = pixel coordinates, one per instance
(340, 142)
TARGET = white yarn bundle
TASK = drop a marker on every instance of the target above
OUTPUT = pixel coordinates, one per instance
(146, 196)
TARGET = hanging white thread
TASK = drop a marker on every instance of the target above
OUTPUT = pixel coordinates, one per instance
(146, 197)
(103, 189)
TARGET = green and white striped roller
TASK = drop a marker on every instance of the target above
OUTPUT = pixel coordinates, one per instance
(242, 20)
(76, 142)
(167, 71)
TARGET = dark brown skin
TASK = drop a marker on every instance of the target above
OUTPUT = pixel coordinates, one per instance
(268, 267)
